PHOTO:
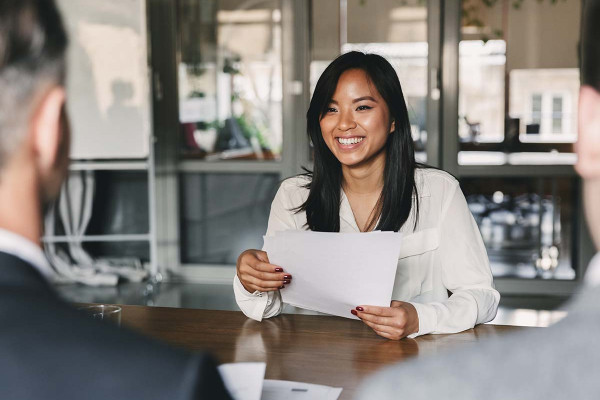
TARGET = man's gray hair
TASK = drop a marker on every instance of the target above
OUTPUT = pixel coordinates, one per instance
(33, 42)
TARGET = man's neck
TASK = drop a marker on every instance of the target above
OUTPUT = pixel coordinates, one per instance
(21, 212)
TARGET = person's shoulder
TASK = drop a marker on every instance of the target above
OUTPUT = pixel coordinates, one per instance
(296, 182)
(433, 181)
(434, 175)
(63, 334)
(295, 185)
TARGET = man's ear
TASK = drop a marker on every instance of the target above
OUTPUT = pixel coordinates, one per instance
(589, 105)
(588, 140)
(47, 127)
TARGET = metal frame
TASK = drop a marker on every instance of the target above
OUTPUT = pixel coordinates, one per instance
(162, 15)
(434, 88)
(451, 17)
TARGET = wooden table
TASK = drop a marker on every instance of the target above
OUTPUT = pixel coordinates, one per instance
(324, 350)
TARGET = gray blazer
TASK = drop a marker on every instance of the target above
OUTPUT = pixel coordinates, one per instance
(559, 362)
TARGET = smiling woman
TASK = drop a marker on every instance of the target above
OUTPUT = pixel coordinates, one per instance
(365, 178)
(356, 112)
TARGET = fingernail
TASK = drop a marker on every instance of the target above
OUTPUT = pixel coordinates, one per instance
(278, 269)
(288, 277)
(286, 282)
(281, 287)
(359, 308)
(354, 312)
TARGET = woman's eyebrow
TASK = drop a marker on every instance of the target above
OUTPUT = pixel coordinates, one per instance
(364, 98)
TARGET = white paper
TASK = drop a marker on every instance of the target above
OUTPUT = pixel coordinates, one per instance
(335, 272)
(244, 381)
(287, 390)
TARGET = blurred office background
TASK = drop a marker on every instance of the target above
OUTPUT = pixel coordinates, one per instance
(187, 114)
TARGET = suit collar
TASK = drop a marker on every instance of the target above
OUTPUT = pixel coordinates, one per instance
(18, 273)
(26, 250)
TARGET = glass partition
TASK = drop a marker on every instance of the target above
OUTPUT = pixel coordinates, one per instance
(230, 79)
(518, 82)
(526, 224)
(223, 214)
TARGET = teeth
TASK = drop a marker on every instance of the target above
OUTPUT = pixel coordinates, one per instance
(347, 141)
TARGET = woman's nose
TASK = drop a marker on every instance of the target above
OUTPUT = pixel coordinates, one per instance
(346, 121)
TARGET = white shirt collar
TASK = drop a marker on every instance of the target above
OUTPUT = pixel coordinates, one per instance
(346, 212)
(26, 250)
(592, 276)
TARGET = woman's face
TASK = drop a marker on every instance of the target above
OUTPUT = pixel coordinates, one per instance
(357, 122)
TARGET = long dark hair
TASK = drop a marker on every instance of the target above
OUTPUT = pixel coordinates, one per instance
(323, 203)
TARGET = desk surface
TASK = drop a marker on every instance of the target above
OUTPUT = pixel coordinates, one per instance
(324, 350)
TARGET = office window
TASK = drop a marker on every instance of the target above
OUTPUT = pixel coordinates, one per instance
(557, 114)
(518, 81)
(536, 110)
(230, 79)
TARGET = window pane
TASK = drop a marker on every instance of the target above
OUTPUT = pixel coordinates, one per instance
(518, 80)
(536, 113)
(557, 114)
(526, 224)
(395, 30)
(223, 215)
(230, 82)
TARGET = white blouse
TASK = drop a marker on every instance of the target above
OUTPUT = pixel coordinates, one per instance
(443, 255)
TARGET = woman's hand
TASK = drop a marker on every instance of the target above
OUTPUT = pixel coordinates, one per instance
(255, 272)
(394, 322)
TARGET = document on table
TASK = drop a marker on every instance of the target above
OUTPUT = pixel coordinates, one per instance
(335, 272)
(245, 381)
(287, 390)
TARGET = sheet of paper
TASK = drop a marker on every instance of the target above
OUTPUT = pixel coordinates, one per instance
(287, 390)
(335, 272)
(244, 381)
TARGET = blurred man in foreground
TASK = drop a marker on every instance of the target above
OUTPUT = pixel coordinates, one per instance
(560, 362)
(47, 349)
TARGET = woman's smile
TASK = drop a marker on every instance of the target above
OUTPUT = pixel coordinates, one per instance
(350, 143)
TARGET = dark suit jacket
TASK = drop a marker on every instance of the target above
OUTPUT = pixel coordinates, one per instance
(50, 351)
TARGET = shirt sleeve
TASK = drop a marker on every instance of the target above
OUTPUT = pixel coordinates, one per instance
(465, 273)
(259, 305)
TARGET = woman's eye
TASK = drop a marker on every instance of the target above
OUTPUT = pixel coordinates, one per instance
(330, 110)
(361, 108)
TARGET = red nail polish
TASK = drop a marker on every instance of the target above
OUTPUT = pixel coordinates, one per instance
(359, 308)
(281, 287)
(354, 312)
(288, 277)
(278, 269)
(286, 282)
